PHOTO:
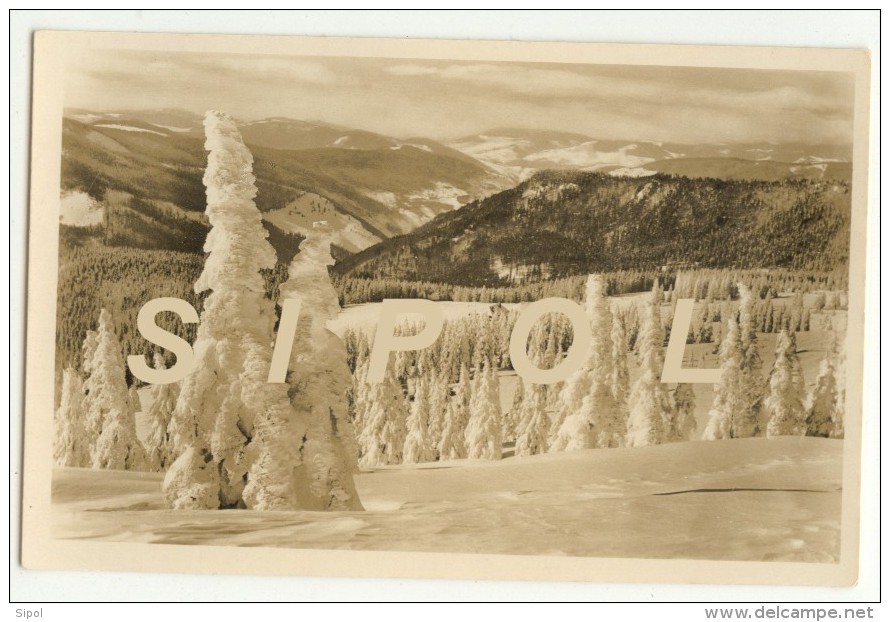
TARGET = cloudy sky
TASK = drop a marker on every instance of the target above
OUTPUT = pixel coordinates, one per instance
(448, 99)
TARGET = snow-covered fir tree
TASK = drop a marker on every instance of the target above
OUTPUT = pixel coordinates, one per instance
(226, 401)
(534, 424)
(821, 414)
(513, 417)
(384, 422)
(683, 423)
(657, 293)
(319, 380)
(158, 447)
(840, 367)
(438, 389)
(751, 422)
(109, 421)
(484, 434)
(71, 446)
(703, 331)
(90, 343)
(359, 392)
(453, 445)
(730, 398)
(651, 413)
(601, 423)
(118, 446)
(425, 364)
(404, 359)
(418, 447)
(784, 404)
(105, 390)
(552, 349)
(395, 428)
(620, 376)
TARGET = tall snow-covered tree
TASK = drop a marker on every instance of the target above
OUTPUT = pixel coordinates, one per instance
(404, 359)
(438, 389)
(784, 404)
(650, 418)
(319, 379)
(620, 376)
(360, 391)
(117, 446)
(227, 402)
(110, 424)
(453, 445)
(601, 423)
(823, 401)
(730, 399)
(552, 349)
(384, 422)
(840, 367)
(71, 447)
(484, 433)
(513, 417)
(90, 343)
(657, 293)
(702, 330)
(103, 388)
(751, 423)
(158, 447)
(534, 424)
(683, 423)
(418, 447)
(395, 428)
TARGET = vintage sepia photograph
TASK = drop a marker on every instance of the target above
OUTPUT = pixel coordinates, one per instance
(550, 311)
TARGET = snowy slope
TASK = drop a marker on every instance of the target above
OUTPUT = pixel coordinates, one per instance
(748, 499)
(310, 212)
(79, 209)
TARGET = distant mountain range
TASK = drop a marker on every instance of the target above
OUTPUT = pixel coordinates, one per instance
(519, 153)
(377, 185)
(139, 175)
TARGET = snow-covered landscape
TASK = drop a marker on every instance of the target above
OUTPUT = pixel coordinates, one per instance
(757, 499)
(743, 499)
(267, 399)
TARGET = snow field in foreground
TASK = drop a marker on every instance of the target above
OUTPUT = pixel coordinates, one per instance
(744, 499)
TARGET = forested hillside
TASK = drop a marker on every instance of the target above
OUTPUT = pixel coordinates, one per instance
(560, 223)
(387, 189)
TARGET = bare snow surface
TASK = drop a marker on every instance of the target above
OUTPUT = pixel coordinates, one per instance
(742, 499)
(78, 209)
(128, 128)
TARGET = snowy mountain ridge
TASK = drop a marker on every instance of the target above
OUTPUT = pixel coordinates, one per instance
(521, 152)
